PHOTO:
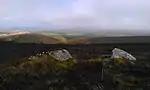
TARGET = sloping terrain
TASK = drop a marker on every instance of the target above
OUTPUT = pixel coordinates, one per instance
(69, 39)
(44, 39)
(33, 38)
(81, 40)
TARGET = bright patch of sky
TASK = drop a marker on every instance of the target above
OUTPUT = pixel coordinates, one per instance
(100, 14)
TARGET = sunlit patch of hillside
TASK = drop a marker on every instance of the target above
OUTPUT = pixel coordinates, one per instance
(45, 38)
(68, 39)
(78, 41)
(34, 38)
(56, 36)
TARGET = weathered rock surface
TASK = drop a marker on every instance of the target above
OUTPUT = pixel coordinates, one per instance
(61, 55)
(118, 53)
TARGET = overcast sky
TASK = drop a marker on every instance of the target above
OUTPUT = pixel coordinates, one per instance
(100, 14)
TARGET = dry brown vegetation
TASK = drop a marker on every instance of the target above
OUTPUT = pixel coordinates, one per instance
(78, 41)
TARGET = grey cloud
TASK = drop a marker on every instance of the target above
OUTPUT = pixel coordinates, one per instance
(109, 14)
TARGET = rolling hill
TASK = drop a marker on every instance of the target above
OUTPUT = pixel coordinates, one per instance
(59, 38)
(33, 38)
(42, 38)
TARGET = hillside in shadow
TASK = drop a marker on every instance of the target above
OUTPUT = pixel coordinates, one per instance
(13, 51)
(90, 68)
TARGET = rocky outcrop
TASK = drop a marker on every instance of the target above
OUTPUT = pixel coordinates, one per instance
(118, 53)
(61, 55)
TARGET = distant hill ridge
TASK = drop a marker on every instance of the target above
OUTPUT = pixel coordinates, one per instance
(56, 38)
(27, 37)
(12, 34)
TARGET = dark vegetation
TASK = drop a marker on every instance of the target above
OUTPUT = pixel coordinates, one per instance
(127, 39)
(92, 70)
